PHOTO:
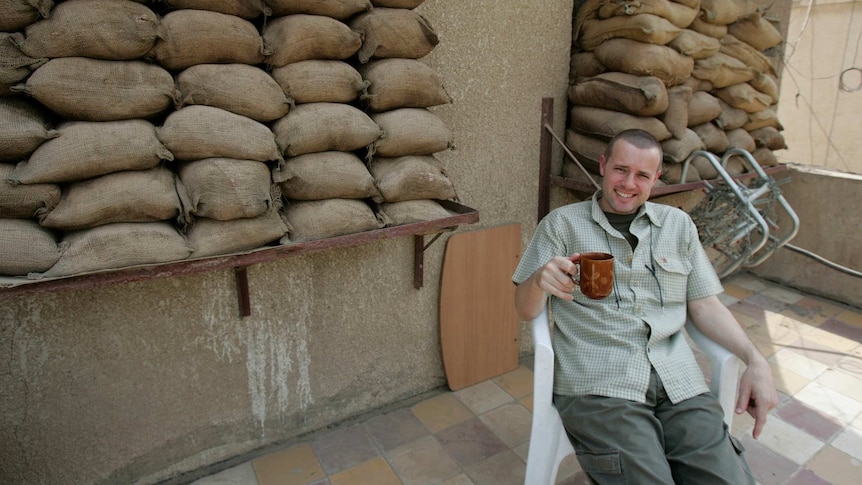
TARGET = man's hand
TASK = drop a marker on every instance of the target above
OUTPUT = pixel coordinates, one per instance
(555, 278)
(757, 393)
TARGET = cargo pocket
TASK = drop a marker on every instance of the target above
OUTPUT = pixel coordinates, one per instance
(740, 454)
(606, 462)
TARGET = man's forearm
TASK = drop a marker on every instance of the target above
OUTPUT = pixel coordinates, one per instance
(529, 299)
(715, 321)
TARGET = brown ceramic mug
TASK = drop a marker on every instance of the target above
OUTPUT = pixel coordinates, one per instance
(596, 278)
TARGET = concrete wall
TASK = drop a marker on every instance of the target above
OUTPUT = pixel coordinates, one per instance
(140, 382)
(826, 203)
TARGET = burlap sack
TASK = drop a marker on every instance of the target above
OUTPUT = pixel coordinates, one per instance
(320, 219)
(402, 83)
(26, 248)
(117, 30)
(671, 173)
(135, 196)
(676, 13)
(247, 9)
(197, 132)
(744, 97)
(724, 12)
(642, 59)
(694, 44)
(116, 246)
(209, 237)
(761, 119)
(605, 123)
(730, 118)
(76, 88)
(702, 108)
(697, 84)
(22, 201)
(14, 65)
(756, 31)
(740, 138)
(722, 70)
(413, 211)
(765, 157)
(618, 91)
(705, 169)
(17, 14)
(767, 85)
(736, 165)
(769, 137)
(86, 149)
(226, 189)
(714, 138)
(321, 127)
(749, 56)
(410, 131)
(326, 175)
(676, 150)
(337, 9)
(588, 150)
(708, 29)
(397, 3)
(23, 127)
(320, 81)
(583, 65)
(301, 37)
(410, 178)
(645, 27)
(574, 172)
(194, 37)
(675, 118)
(239, 88)
(394, 32)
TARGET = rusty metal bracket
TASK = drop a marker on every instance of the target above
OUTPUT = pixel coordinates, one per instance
(419, 248)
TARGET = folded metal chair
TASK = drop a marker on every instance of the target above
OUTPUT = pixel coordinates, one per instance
(549, 444)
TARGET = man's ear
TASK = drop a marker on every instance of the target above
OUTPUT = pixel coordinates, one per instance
(602, 165)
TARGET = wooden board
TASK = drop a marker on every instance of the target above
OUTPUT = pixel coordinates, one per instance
(478, 323)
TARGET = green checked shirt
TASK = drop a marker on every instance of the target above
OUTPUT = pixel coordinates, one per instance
(607, 347)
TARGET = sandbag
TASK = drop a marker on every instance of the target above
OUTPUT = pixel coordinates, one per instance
(756, 31)
(301, 37)
(671, 173)
(676, 13)
(117, 30)
(226, 189)
(583, 65)
(23, 127)
(708, 29)
(722, 70)
(320, 219)
(617, 91)
(765, 157)
(402, 83)
(209, 237)
(85, 149)
(14, 65)
(694, 44)
(744, 97)
(702, 108)
(714, 138)
(397, 3)
(730, 117)
(676, 150)
(705, 169)
(321, 127)
(76, 88)
(642, 59)
(116, 246)
(410, 131)
(761, 119)
(749, 56)
(239, 88)
(326, 175)
(769, 137)
(645, 27)
(320, 81)
(740, 138)
(410, 178)
(724, 12)
(194, 37)
(605, 123)
(413, 211)
(26, 248)
(135, 196)
(587, 149)
(197, 132)
(247, 9)
(767, 85)
(337, 9)
(22, 201)
(394, 32)
(17, 14)
(675, 118)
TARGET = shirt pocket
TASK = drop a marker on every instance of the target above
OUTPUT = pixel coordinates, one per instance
(672, 275)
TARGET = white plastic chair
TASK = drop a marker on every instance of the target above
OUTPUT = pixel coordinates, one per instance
(549, 444)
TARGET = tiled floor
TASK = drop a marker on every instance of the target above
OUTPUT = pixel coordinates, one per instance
(480, 435)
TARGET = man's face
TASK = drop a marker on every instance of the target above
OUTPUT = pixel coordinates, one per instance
(628, 177)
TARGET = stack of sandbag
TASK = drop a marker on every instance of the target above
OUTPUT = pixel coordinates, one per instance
(694, 73)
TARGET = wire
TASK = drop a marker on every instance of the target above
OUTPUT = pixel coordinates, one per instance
(821, 259)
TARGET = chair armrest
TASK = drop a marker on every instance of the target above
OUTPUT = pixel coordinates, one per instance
(724, 369)
(543, 361)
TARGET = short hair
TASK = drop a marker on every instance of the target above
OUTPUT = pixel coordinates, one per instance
(640, 138)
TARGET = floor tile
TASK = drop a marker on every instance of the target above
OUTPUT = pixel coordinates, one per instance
(798, 363)
(836, 466)
(844, 329)
(423, 462)
(504, 468)
(811, 310)
(853, 317)
(441, 412)
(839, 381)
(470, 442)
(786, 380)
(527, 402)
(850, 442)
(517, 383)
(461, 479)
(809, 419)
(767, 302)
(511, 423)
(727, 299)
(736, 291)
(789, 441)
(484, 396)
(394, 429)
(768, 467)
(748, 309)
(343, 448)
(806, 477)
(748, 281)
(238, 475)
(372, 472)
(852, 364)
(296, 465)
(782, 294)
(813, 349)
(835, 404)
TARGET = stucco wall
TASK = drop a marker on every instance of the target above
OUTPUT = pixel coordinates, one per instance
(139, 382)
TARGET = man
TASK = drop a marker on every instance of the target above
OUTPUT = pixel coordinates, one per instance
(632, 397)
